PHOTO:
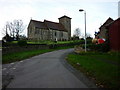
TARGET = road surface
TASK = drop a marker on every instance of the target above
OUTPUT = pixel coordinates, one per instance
(48, 70)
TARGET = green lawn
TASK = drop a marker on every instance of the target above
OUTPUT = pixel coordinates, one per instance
(105, 74)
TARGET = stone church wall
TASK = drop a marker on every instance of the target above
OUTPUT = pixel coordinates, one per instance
(37, 34)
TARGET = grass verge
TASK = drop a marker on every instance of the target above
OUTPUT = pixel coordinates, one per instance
(12, 57)
(50, 42)
(103, 73)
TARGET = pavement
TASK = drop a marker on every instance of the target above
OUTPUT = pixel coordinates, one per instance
(48, 70)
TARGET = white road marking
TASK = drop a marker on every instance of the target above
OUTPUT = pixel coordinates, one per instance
(11, 63)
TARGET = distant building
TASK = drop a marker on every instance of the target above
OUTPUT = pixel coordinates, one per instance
(103, 31)
(110, 31)
(48, 30)
(118, 9)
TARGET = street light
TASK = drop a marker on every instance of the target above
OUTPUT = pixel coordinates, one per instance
(81, 10)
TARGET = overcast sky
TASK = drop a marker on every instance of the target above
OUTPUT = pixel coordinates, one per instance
(97, 12)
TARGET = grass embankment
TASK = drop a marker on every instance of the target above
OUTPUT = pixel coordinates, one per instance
(12, 57)
(103, 73)
(50, 42)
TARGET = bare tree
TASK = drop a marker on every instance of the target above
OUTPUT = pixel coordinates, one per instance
(18, 27)
(14, 29)
(11, 29)
(5, 29)
(88, 35)
(82, 36)
(77, 32)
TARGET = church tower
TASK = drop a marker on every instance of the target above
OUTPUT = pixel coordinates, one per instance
(66, 22)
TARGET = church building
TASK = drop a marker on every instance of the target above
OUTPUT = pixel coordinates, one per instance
(48, 30)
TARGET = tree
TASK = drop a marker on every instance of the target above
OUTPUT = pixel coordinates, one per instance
(7, 32)
(22, 37)
(88, 35)
(14, 29)
(18, 27)
(77, 32)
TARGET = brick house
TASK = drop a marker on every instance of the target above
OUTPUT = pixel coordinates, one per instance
(114, 35)
(48, 30)
(110, 31)
(103, 32)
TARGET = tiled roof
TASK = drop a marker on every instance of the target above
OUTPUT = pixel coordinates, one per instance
(117, 20)
(54, 25)
(39, 24)
(107, 22)
(48, 25)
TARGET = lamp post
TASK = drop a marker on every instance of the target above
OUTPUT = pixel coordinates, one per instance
(85, 26)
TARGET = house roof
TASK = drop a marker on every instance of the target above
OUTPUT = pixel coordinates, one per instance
(107, 22)
(115, 21)
(48, 25)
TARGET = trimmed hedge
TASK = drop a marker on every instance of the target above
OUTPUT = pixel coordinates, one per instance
(99, 47)
(22, 43)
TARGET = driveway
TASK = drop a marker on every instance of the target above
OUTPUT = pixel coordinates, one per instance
(49, 70)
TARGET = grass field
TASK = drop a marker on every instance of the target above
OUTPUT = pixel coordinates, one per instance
(103, 73)
(12, 57)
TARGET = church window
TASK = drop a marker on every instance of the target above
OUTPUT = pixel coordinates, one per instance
(36, 30)
(55, 33)
(61, 34)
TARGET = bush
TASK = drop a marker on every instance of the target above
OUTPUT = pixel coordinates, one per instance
(53, 46)
(89, 41)
(22, 43)
(99, 47)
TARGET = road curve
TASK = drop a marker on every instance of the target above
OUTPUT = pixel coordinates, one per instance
(44, 71)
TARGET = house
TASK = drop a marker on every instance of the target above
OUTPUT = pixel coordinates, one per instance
(48, 30)
(110, 31)
(103, 33)
(114, 35)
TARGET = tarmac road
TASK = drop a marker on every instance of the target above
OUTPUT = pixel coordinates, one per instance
(47, 70)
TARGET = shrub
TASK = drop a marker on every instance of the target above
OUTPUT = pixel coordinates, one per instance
(104, 47)
(89, 41)
(53, 46)
(22, 43)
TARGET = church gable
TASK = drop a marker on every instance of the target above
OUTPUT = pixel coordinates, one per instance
(39, 24)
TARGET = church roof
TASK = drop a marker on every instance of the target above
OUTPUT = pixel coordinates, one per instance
(64, 17)
(39, 24)
(54, 25)
(48, 25)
